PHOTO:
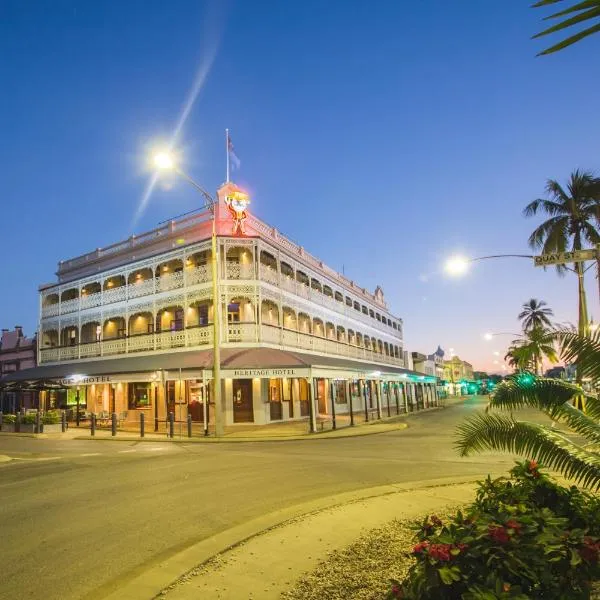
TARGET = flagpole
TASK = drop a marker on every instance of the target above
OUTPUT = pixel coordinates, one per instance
(227, 152)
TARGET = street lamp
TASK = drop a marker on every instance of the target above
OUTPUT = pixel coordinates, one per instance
(165, 162)
(488, 337)
(458, 265)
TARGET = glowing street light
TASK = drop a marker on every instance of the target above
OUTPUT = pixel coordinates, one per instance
(164, 161)
(488, 337)
(458, 265)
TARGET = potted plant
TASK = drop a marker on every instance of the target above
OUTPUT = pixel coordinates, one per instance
(51, 422)
(8, 422)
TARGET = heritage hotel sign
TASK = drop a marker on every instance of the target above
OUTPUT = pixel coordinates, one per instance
(264, 373)
(85, 380)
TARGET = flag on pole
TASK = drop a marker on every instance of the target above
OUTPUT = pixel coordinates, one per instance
(235, 161)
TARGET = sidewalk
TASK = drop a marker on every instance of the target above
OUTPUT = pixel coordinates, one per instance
(262, 558)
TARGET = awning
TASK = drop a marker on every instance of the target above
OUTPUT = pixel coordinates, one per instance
(231, 358)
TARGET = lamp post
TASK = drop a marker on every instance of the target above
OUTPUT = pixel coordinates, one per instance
(165, 162)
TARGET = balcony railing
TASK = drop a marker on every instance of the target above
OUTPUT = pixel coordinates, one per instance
(244, 333)
(137, 289)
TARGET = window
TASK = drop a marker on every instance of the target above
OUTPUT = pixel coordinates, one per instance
(233, 313)
(394, 325)
(139, 395)
(177, 322)
(378, 316)
(365, 310)
(203, 314)
(348, 301)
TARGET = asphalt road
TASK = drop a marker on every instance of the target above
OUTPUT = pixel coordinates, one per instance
(78, 516)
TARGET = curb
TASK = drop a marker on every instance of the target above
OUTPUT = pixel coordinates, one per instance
(327, 435)
(148, 581)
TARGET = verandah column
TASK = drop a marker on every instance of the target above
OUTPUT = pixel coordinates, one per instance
(378, 390)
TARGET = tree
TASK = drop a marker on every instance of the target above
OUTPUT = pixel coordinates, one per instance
(529, 351)
(573, 218)
(556, 398)
(582, 12)
(535, 313)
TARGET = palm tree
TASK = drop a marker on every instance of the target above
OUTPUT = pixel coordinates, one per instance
(529, 351)
(555, 449)
(535, 313)
(573, 219)
(581, 12)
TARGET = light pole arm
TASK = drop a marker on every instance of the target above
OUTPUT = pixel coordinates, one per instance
(501, 256)
(210, 201)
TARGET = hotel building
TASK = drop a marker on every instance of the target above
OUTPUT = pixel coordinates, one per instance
(129, 329)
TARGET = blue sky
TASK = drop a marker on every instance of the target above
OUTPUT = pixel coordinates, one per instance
(381, 136)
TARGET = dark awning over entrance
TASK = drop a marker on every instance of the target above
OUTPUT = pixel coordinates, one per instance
(231, 358)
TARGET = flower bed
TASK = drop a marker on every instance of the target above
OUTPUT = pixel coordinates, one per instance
(523, 537)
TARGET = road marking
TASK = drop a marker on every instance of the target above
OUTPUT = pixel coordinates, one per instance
(125, 451)
(155, 449)
(91, 454)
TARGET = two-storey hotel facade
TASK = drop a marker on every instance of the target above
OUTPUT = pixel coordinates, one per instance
(129, 329)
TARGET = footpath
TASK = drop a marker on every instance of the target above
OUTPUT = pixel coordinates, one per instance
(261, 561)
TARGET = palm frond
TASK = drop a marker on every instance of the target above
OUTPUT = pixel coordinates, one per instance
(583, 350)
(552, 396)
(496, 432)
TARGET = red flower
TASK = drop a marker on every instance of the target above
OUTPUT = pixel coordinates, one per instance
(420, 547)
(512, 524)
(590, 550)
(498, 534)
(440, 552)
(397, 591)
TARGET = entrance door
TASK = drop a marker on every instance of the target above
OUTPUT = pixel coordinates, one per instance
(303, 397)
(170, 397)
(321, 396)
(243, 410)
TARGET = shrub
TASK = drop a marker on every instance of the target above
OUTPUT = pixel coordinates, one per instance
(9, 418)
(29, 418)
(51, 417)
(523, 537)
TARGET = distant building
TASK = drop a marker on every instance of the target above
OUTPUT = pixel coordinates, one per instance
(17, 352)
(457, 371)
(438, 360)
(423, 364)
(556, 373)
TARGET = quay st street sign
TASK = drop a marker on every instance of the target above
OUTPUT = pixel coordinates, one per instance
(559, 258)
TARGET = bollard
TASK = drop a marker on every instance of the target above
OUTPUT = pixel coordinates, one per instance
(142, 424)
(189, 424)
(38, 422)
(93, 424)
(113, 424)
(18, 422)
(171, 425)
(63, 421)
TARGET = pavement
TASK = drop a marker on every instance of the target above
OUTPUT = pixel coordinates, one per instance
(87, 520)
(296, 546)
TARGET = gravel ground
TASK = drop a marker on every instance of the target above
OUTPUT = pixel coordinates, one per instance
(363, 570)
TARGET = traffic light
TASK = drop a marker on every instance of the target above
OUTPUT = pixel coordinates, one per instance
(525, 379)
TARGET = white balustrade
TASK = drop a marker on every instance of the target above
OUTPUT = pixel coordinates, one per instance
(170, 339)
(198, 274)
(241, 332)
(140, 343)
(303, 290)
(90, 349)
(269, 274)
(91, 300)
(142, 287)
(51, 310)
(69, 306)
(115, 346)
(199, 336)
(236, 270)
(271, 335)
(169, 281)
(69, 352)
(287, 283)
(49, 355)
(117, 294)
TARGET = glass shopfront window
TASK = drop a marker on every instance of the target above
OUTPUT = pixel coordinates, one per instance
(340, 392)
(139, 395)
